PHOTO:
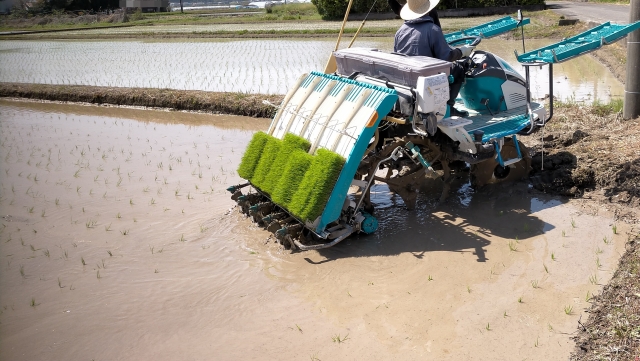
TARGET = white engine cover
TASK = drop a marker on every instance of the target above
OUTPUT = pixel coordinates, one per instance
(432, 94)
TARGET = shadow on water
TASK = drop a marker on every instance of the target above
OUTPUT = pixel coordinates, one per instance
(467, 222)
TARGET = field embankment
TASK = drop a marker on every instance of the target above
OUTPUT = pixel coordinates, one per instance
(590, 152)
(612, 331)
(191, 100)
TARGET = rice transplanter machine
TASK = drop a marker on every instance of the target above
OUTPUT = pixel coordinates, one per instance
(384, 118)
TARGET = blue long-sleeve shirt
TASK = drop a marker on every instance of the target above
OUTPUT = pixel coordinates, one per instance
(422, 37)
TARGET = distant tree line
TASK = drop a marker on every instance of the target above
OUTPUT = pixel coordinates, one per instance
(335, 9)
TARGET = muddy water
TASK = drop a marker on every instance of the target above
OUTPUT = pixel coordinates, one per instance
(257, 66)
(117, 243)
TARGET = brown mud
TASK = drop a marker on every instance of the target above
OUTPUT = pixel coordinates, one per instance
(117, 230)
(192, 100)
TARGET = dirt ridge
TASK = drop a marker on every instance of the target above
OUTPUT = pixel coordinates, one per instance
(192, 100)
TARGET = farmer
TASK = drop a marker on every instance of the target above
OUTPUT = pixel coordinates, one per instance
(419, 35)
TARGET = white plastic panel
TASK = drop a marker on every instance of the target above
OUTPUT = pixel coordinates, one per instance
(290, 109)
(313, 107)
(346, 124)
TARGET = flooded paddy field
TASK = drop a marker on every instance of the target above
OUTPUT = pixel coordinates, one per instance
(118, 241)
(253, 66)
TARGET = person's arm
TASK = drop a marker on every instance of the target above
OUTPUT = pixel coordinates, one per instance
(440, 48)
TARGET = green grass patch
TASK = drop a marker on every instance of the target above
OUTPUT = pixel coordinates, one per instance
(269, 154)
(292, 175)
(290, 144)
(313, 192)
(613, 106)
(251, 156)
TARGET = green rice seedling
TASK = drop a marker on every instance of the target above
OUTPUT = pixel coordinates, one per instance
(166, 209)
(46, 253)
(563, 233)
(145, 189)
(520, 300)
(292, 174)
(598, 250)
(614, 228)
(151, 249)
(290, 144)
(98, 274)
(468, 289)
(338, 339)
(33, 302)
(553, 256)
(504, 315)
(568, 310)
(593, 279)
(203, 228)
(22, 271)
(65, 254)
(30, 210)
(513, 246)
(118, 215)
(82, 261)
(270, 152)
(110, 254)
(78, 189)
(189, 197)
(429, 278)
(573, 223)
(182, 239)
(91, 224)
(545, 268)
(33, 249)
(537, 342)
(153, 201)
(124, 232)
(587, 298)
(313, 192)
(76, 174)
(252, 155)
(488, 327)
(606, 241)
(534, 284)
(108, 228)
(598, 264)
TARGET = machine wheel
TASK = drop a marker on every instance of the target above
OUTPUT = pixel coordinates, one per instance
(490, 171)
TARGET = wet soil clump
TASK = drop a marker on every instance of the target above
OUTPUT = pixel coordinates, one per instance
(588, 152)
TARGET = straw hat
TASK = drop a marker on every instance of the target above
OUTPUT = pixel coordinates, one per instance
(416, 8)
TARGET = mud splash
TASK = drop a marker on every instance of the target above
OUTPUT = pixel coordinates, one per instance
(117, 231)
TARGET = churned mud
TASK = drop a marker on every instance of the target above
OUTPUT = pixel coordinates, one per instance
(119, 241)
